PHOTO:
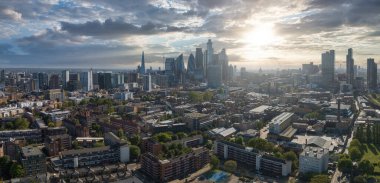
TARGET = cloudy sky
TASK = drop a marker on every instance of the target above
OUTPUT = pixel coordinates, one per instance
(256, 33)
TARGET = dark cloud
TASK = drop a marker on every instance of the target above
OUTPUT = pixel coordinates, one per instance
(5, 49)
(110, 28)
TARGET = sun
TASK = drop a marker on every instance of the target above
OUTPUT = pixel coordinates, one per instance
(261, 35)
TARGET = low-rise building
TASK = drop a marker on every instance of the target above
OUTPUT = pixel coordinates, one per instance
(57, 143)
(313, 160)
(164, 170)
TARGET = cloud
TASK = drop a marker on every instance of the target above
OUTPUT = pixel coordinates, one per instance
(7, 13)
(110, 28)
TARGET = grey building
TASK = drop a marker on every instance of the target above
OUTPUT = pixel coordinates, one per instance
(33, 160)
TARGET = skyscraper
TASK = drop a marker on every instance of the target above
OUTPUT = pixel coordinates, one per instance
(371, 74)
(210, 52)
(147, 79)
(142, 67)
(214, 76)
(223, 60)
(328, 68)
(180, 68)
(350, 67)
(199, 58)
(65, 77)
(191, 64)
(86, 81)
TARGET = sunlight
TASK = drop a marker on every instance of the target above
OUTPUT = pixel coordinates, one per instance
(261, 36)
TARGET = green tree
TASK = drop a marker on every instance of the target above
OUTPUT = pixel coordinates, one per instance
(366, 167)
(320, 179)
(135, 140)
(51, 124)
(230, 166)
(207, 96)
(120, 133)
(355, 153)
(16, 170)
(21, 123)
(360, 179)
(355, 143)
(75, 144)
(257, 143)
(135, 151)
(5, 165)
(345, 165)
(239, 140)
(214, 162)
(181, 135)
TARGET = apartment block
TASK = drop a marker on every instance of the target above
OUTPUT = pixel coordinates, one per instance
(313, 159)
(33, 160)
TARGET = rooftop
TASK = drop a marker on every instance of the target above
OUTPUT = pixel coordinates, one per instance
(282, 117)
(314, 152)
(31, 151)
(259, 109)
(85, 150)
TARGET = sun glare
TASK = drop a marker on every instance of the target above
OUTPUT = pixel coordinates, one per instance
(261, 36)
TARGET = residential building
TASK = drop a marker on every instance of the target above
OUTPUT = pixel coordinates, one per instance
(350, 67)
(57, 143)
(328, 68)
(33, 160)
(371, 74)
(313, 160)
(165, 170)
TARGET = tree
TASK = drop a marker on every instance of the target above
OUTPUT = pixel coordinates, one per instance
(76, 144)
(135, 151)
(21, 123)
(239, 140)
(366, 167)
(181, 135)
(135, 140)
(120, 133)
(51, 124)
(5, 165)
(355, 143)
(345, 165)
(214, 162)
(16, 170)
(257, 143)
(230, 166)
(320, 179)
(355, 153)
(360, 179)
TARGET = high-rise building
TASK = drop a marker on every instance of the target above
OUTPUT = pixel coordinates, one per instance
(180, 68)
(105, 80)
(142, 66)
(328, 67)
(371, 74)
(313, 160)
(86, 81)
(350, 67)
(199, 64)
(65, 77)
(223, 60)
(210, 52)
(2, 76)
(214, 76)
(191, 64)
(43, 80)
(54, 82)
(147, 79)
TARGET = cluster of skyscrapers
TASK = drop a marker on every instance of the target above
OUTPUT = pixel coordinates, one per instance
(205, 66)
(352, 80)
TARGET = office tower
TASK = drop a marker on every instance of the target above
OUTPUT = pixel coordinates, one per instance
(310, 68)
(223, 60)
(350, 67)
(54, 82)
(147, 79)
(105, 80)
(142, 66)
(169, 66)
(214, 76)
(328, 67)
(65, 77)
(210, 52)
(371, 74)
(205, 63)
(43, 80)
(117, 79)
(199, 59)
(191, 64)
(86, 81)
(2, 76)
(180, 68)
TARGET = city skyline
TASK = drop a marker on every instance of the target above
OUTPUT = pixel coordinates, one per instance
(113, 34)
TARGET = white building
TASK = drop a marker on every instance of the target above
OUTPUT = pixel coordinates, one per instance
(313, 159)
(123, 96)
(86, 81)
(281, 122)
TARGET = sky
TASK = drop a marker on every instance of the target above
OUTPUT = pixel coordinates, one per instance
(267, 34)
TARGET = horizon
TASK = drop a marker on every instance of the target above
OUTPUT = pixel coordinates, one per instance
(112, 34)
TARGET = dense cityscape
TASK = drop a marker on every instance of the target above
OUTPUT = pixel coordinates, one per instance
(212, 91)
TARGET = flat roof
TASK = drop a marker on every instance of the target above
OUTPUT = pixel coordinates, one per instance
(85, 150)
(260, 109)
(31, 151)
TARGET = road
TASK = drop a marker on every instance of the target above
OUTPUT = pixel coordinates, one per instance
(348, 140)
